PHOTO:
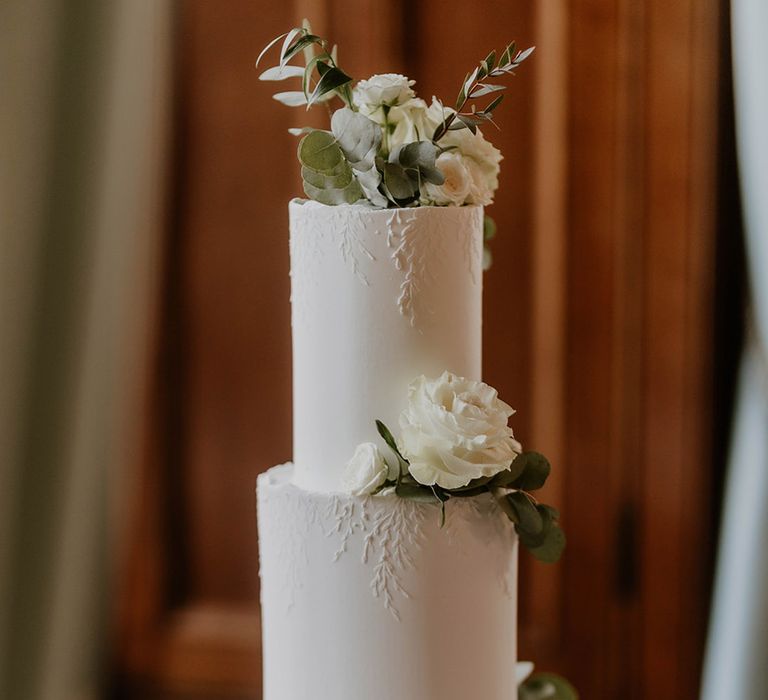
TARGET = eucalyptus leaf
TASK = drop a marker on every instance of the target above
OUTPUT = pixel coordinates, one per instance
(300, 131)
(358, 136)
(487, 258)
(340, 180)
(547, 686)
(370, 180)
(400, 187)
(489, 228)
(534, 473)
(421, 156)
(552, 548)
(333, 196)
(319, 151)
(527, 516)
(531, 539)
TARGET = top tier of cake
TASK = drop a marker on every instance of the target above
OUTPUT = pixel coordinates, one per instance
(378, 297)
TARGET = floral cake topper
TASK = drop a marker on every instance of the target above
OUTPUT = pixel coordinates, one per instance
(455, 443)
(386, 146)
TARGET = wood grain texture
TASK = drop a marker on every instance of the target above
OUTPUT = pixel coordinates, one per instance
(596, 326)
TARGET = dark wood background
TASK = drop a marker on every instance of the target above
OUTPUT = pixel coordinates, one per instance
(597, 327)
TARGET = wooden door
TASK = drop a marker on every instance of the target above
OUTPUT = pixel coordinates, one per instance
(596, 327)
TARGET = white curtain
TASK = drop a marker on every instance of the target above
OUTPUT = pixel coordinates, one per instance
(83, 119)
(736, 664)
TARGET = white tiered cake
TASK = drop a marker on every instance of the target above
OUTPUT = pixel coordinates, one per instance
(367, 597)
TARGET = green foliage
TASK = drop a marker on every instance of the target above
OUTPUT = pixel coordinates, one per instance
(536, 524)
(360, 139)
(326, 174)
(321, 77)
(546, 686)
(405, 170)
(533, 469)
(476, 86)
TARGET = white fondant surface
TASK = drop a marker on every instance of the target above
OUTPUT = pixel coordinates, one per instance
(378, 297)
(369, 599)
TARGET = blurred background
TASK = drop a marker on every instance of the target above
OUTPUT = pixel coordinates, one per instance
(145, 340)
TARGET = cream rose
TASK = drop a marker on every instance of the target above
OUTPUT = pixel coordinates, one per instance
(458, 181)
(455, 430)
(483, 159)
(390, 89)
(366, 471)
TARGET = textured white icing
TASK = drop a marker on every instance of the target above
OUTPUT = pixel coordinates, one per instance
(378, 297)
(367, 597)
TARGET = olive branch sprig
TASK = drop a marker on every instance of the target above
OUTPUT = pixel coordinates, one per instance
(476, 86)
(320, 58)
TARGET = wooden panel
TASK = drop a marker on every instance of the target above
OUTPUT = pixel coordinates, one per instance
(596, 326)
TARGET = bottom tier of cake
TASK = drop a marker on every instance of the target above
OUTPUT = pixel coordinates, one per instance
(368, 598)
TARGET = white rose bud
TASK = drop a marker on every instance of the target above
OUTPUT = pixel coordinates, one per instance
(389, 89)
(366, 471)
(455, 430)
(458, 181)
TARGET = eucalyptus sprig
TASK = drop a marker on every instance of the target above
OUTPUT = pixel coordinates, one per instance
(321, 77)
(475, 86)
(537, 524)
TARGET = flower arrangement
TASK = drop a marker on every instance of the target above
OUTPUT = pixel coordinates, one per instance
(455, 443)
(386, 147)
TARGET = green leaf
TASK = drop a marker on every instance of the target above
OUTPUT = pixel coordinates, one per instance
(421, 156)
(271, 44)
(487, 258)
(534, 471)
(334, 196)
(494, 103)
(338, 180)
(490, 60)
(319, 151)
(401, 188)
(423, 494)
(358, 137)
(331, 78)
(293, 98)
(530, 539)
(489, 228)
(551, 549)
(522, 55)
(299, 45)
(547, 686)
(527, 516)
(282, 72)
(370, 180)
(387, 436)
(483, 89)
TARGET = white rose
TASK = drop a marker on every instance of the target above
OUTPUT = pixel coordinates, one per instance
(458, 181)
(413, 121)
(389, 89)
(366, 471)
(483, 158)
(455, 430)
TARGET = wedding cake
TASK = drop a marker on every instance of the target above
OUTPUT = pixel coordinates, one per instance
(389, 545)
